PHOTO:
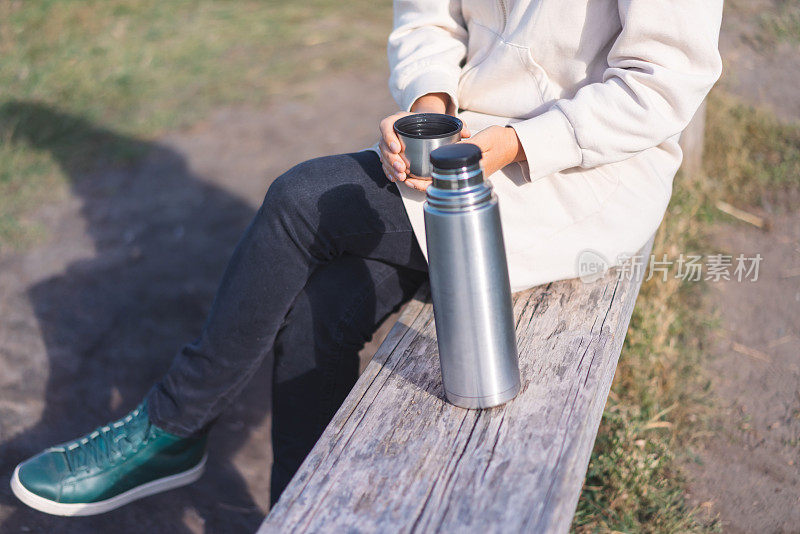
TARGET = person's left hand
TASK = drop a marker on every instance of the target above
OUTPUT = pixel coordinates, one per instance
(500, 147)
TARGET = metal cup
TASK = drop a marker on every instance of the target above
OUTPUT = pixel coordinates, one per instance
(422, 133)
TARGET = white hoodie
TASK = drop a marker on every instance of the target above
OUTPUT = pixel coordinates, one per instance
(598, 92)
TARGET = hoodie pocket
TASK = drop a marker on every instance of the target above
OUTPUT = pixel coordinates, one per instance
(502, 81)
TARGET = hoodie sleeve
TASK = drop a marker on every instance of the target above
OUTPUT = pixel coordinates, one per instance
(426, 49)
(661, 67)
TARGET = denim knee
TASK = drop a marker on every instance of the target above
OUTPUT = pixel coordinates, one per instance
(294, 191)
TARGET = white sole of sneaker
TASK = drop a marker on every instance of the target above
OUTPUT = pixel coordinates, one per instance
(92, 508)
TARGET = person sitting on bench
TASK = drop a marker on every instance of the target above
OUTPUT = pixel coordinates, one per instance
(577, 106)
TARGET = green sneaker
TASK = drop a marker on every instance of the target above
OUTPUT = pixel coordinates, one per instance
(114, 465)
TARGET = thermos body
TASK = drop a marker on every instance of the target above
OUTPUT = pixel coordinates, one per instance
(470, 290)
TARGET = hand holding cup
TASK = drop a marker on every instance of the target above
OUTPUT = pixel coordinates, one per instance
(407, 140)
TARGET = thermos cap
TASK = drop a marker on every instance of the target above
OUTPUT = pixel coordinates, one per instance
(456, 167)
(456, 156)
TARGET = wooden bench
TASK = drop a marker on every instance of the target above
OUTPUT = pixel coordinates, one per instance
(398, 458)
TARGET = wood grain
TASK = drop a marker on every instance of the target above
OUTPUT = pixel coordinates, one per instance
(398, 458)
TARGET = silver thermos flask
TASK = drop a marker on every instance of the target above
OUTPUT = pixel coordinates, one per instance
(469, 282)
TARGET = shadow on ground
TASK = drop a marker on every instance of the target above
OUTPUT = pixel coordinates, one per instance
(110, 324)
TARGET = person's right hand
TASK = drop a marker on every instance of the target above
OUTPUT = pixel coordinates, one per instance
(393, 160)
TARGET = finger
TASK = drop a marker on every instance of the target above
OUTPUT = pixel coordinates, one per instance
(389, 154)
(387, 157)
(405, 160)
(465, 133)
(394, 164)
(418, 183)
(389, 174)
(476, 139)
(387, 124)
(392, 171)
(391, 160)
(388, 135)
(426, 179)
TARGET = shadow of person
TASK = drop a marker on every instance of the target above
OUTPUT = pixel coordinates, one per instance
(111, 323)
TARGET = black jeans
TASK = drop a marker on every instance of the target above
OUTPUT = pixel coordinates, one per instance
(328, 256)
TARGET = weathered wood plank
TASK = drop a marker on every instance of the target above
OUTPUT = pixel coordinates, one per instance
(398, 458)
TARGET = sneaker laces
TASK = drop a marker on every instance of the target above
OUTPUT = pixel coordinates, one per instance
(109, 443)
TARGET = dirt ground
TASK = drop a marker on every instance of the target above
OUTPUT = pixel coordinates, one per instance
(93, 315)
(748, 469)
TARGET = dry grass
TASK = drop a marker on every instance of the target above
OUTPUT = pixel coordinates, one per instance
(633, 484)
(659, 401)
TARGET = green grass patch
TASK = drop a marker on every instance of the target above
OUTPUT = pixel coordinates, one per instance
(660, 399)
(781, 24)
(750, 156)
(146, 65)
(136, 68)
